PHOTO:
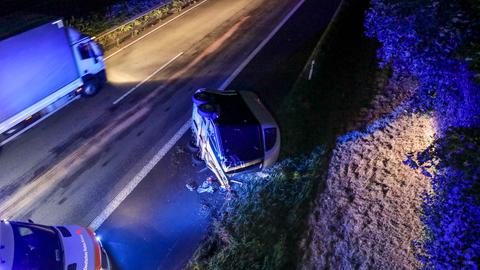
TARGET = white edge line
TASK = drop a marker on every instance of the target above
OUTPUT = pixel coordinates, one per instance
(146, 79)
(98, 221)
(138, 178)
(260, 47)
(155, 29)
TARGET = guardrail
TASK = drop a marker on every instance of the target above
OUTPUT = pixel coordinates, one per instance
(115, 36)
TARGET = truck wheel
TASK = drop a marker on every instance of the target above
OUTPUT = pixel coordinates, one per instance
(90, 88)
(207, 110)
(196, 159)
(200, 97)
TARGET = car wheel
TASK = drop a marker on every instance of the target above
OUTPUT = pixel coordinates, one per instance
(200, 97)
(191, 146)
(196, 159)
(207, 110)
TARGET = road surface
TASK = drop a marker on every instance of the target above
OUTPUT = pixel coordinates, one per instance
(104, 161)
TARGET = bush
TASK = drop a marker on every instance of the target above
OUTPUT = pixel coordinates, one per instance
(437, 42)
(452, 212)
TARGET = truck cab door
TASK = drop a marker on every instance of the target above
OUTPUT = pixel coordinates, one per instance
(89, 58)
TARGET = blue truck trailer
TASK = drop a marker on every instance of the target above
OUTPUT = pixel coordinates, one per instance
(41, 71)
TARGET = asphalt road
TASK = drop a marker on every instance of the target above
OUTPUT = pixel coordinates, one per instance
(71, 167)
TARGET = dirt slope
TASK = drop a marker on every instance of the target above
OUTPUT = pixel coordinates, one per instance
(368, 214)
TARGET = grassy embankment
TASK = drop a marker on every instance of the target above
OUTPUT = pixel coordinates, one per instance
(263, 227)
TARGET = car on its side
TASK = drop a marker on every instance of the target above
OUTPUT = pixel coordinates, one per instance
(233, 133)
(33, 246)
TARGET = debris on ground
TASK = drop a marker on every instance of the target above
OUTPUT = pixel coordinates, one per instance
(192, 186)
(262, 174)
(207, 186)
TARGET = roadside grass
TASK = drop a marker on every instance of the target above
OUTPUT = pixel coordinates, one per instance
(262, 228)
(259, 229)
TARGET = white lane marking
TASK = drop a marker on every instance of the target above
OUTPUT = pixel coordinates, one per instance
(146, 79)
(98, 221)
(260, 47)
(155, 29)
(311, 70)
(138, 178)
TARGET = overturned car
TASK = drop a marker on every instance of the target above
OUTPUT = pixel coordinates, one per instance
(233, 133)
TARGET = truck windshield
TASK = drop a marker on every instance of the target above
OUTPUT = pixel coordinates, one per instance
(36, 247)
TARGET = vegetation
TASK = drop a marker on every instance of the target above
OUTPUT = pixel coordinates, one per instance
(260, 229)
(90, 21)
(452, 211)
(144, 13)
(116, 14)
(438, 43)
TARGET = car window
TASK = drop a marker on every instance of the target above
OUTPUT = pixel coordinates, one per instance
(37, 247)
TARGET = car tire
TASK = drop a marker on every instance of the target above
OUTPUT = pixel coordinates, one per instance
(191, 146)
(196, 159)
(200, 97)
(207, 110)
(90, 87)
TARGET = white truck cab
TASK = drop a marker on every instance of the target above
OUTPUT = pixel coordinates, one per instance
(33, 246)
(234, 133)
(89, 59)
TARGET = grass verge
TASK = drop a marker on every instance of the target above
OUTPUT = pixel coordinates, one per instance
(260, 228)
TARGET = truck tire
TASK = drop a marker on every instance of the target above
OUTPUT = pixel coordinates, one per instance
(90, 87)
(207, 110)
(200, 97)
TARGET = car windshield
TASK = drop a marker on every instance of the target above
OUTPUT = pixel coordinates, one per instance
(36, 247)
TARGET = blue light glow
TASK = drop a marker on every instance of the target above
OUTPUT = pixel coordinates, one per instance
(34, 65)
